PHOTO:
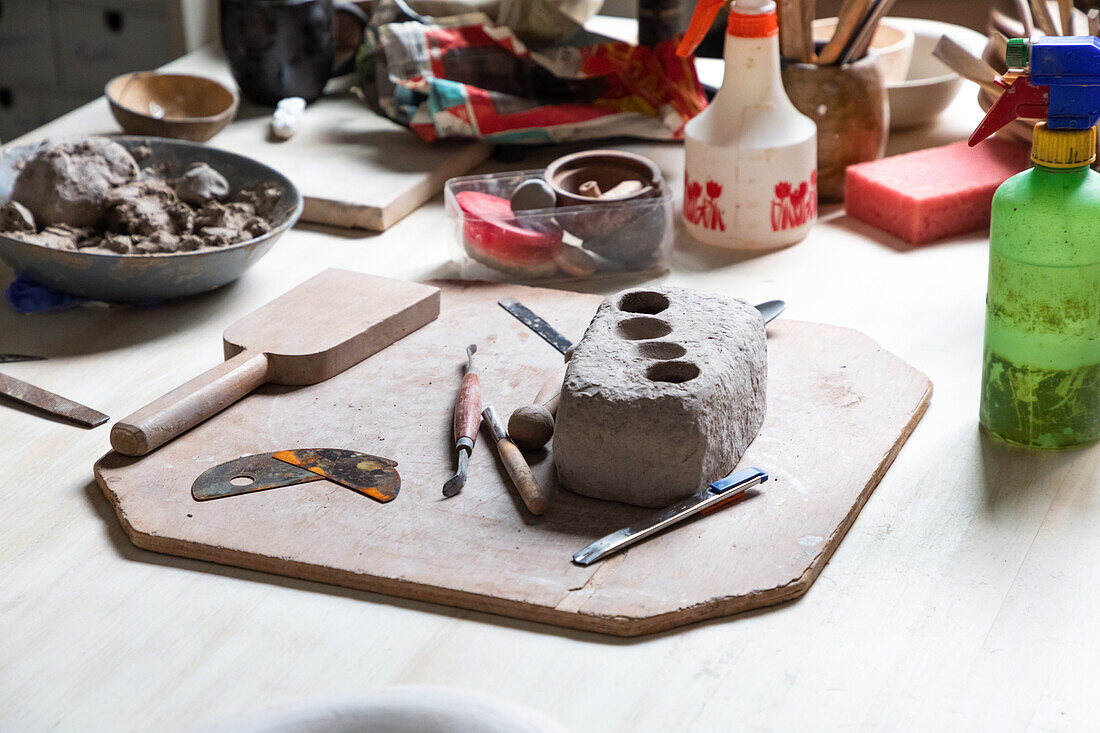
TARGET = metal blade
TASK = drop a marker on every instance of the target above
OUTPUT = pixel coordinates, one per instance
(54, 404)
(12, 358)
(528, 318)
(371, 476)
(771, 309)
(247, 474)
(719, 494)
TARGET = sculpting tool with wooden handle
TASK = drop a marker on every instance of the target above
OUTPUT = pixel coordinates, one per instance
(307, 335)
(795, 33)
(1065, 12)
(860, 44)
(28, 394)
(467, 421)
(1040, 15)
(966, 64)
(533, 495)
(849, 20)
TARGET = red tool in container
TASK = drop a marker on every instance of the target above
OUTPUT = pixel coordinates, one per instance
(467, 421)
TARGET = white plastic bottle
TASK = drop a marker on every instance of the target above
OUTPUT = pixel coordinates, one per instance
(750, 175)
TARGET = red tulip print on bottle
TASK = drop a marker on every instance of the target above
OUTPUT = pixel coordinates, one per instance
(793, 207)
(700, 211)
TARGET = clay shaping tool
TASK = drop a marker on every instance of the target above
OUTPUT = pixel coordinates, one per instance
(857, 49)
(467, 421)
(371, 476)
(533, 495)
(12, 358)
(849, 20)
(718, 495)
(966, 65)
(1042, 18)
(307, 335)
(1094, 22)
(28, 394)
(1065, 11)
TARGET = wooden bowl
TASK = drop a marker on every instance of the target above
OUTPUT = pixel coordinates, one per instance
(171, 105)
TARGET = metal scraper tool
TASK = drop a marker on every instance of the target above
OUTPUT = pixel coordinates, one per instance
(369, 475)
(54, 404)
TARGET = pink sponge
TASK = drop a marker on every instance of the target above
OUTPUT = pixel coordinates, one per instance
(935, 193)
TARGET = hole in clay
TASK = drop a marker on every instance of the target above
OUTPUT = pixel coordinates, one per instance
(241, 480)
(661, 350)
(643, 301)
(637, 329)
(673, 371)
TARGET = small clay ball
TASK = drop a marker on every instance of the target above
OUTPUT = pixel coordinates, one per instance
(200, 184)
(530, 427)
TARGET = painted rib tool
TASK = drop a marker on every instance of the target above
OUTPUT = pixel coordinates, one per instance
(467, 421)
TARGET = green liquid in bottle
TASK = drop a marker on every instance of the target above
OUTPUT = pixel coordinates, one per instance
(1041, 366)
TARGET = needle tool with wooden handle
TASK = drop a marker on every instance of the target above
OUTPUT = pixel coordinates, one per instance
(533, 495)
(309, 334)
(467, 420)
(28, 394)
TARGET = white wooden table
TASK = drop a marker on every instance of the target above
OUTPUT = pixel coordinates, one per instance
(965, 597)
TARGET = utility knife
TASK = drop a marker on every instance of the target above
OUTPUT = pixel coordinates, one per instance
(369, 475)
(718, 495)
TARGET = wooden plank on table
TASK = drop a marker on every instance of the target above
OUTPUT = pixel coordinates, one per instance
(839, 410)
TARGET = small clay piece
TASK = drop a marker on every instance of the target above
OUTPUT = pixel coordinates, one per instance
(140, 208)
(68, 181)
(531, 427)
(201, 183)
(532, 194)
(576, 260)
(662, 396)
(15, 217)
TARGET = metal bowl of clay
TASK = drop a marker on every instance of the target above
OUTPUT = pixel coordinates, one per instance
(150, 277)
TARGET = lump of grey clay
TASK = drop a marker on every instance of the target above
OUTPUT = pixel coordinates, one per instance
(662, 396)
(201, 183)
(67, 181)
(15, 217)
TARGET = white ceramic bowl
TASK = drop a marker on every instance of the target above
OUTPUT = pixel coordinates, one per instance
(929, 86)
(891, 43)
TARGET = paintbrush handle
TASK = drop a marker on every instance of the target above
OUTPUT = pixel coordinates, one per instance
(468, 409)
(189, 404)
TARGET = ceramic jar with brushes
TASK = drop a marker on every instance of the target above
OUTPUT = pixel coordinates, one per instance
(839, 85)
(750, 178)
(590, 214)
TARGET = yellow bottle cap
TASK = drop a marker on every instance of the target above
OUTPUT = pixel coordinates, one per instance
(1063, 148)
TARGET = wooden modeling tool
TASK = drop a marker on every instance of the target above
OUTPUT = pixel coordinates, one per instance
(1094, 22)
(966, 64)
(1065, 11)
(28, 394)
(307, 335)
(850, 19)
(857, 49)
(1041, 17)
(796, 42)
(533, 495)
(467, 421)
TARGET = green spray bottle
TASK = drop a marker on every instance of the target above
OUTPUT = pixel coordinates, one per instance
(1041, 361)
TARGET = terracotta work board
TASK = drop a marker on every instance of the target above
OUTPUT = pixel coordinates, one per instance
(839, 410)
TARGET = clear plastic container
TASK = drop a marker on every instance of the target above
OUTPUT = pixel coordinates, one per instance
(563, 243)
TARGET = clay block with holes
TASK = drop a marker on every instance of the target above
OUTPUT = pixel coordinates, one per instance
(662, 396)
